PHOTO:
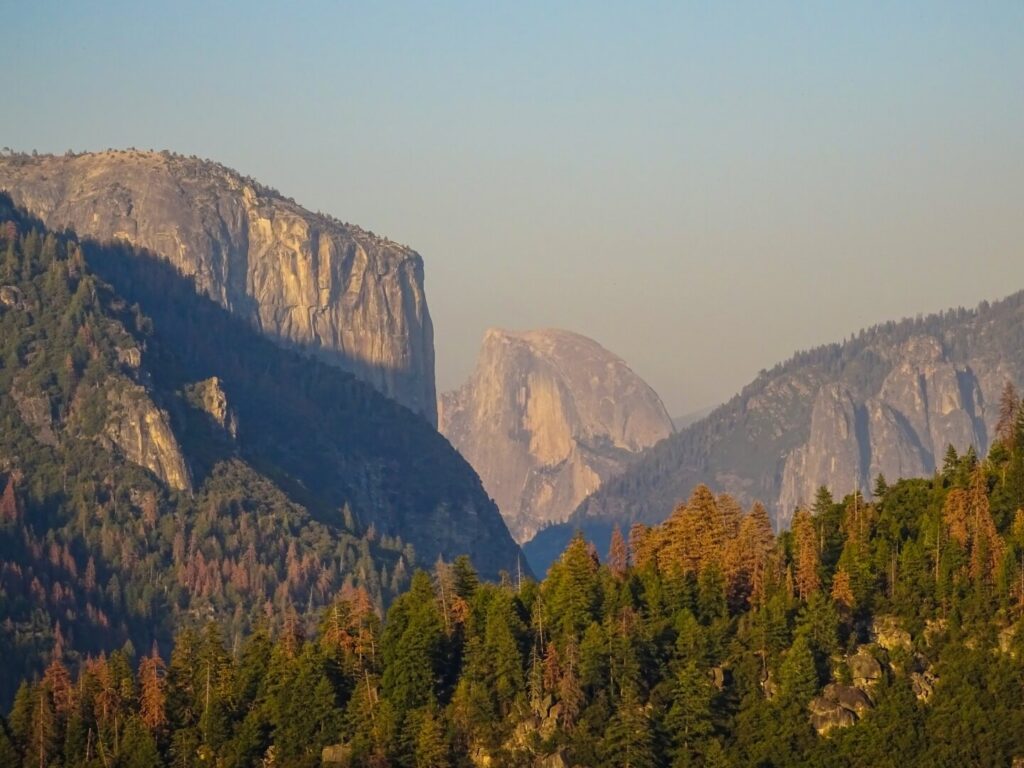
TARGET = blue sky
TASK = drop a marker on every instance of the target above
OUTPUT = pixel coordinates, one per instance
(703, 188)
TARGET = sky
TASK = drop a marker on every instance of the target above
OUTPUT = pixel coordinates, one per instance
(703, 188)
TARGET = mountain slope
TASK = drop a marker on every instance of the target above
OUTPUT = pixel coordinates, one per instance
(177, 466)
(304, 279)
(545, 418)
(887, 401)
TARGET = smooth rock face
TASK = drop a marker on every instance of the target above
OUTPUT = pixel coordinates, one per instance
(831, 456)
(924, 404)
(545, 418)
(143, 434)
(303, 279)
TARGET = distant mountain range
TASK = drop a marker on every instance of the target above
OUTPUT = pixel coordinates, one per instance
(888, 401)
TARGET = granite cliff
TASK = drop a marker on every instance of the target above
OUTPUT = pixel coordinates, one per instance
(111, 353)
(545, 418)
(303, 279)
(887, 401)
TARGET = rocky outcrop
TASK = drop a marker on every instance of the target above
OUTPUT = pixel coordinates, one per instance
(838, 706)
(143, 434)
(351, 297)
(36, 412)
(10, 297)
(865, 669)
(832, 455)
(545, 418)
(888, 632)
(209, 396)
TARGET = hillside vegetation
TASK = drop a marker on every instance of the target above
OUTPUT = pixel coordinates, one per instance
(887, 633)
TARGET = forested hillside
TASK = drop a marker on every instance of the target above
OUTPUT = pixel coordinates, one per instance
(887, 633)
(175, 468)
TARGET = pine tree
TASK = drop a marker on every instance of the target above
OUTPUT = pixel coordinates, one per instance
(950, 464)
(43, 742)
(987, 547)
(629, 738)
(152, 692)
(798, 677)
(10, 509)
(808, 581)
(57, 681)
(466, 579)
(881, 487)
(1009, 408)
(570, 693)
(571, 588)
(618, 555)
(505, 667)
(823, 502)
(842, 590)
(412, 646)
(431, 748)
(688, 719)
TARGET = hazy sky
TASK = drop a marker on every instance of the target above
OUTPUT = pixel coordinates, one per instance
(702, 188)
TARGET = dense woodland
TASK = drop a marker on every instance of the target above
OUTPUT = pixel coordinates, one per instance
(883, 633)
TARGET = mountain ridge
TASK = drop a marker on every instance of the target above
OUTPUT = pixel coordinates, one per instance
(898, 380)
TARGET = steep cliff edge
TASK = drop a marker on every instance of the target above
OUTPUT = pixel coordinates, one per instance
(353, 298)
(545, 418)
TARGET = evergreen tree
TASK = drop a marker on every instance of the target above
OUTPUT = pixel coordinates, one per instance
(805, 537)
(1009, 408)
(629, 738)
(412, 646)
(689, 720)
(798, 677)
(618, 555)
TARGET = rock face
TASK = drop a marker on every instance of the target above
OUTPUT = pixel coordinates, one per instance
(925, 403)
(545, 418)
(887, 401)
(143, 434)
(304, 279)
(210, 397)
(839, 706)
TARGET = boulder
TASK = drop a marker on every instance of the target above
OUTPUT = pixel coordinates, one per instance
(887, 632)
(864, 668)
(36, 412)
(838, 706)
(923, 684)
(1007, 640)
(826, 715)
(848, 697)
(10, 296)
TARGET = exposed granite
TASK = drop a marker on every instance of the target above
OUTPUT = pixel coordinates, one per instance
(304, 279)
